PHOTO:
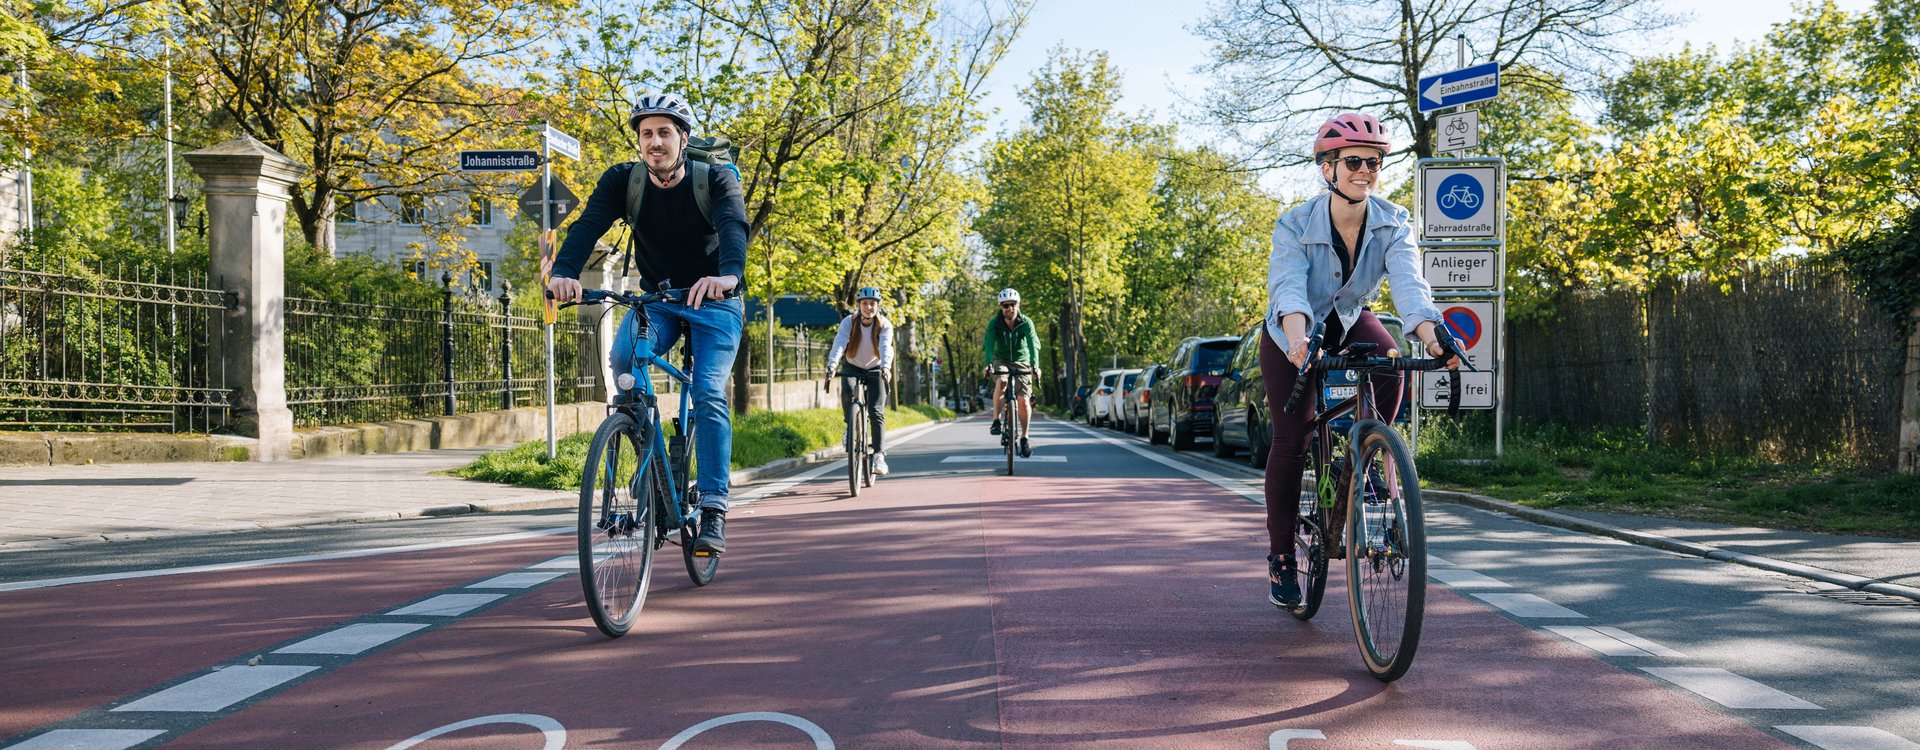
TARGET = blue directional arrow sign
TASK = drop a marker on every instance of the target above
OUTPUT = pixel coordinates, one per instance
(1456, 87)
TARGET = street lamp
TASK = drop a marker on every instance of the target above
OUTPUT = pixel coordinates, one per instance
(182, 209)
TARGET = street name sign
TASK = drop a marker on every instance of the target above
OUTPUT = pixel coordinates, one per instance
(1448, 269)
(564, 202)
(499, 161)
(1456, 87)
(1460, 201)
(562, 144)
(1458, 131)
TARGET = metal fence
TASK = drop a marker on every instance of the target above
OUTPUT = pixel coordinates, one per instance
(98, 346)
(798, 355)
(1786, 363)
(403, 357)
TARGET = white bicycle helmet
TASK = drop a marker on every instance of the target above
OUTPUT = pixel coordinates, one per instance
(666, 104)
(1009, 295)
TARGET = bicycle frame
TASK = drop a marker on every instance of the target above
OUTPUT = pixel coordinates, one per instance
(643, 394)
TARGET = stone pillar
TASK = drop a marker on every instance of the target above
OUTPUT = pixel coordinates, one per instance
(246, 190)
(1909, 457)
(596, 360)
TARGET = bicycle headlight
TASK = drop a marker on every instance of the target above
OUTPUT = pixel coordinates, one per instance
(625, 381)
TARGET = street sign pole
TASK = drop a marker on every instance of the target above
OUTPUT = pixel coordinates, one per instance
(546, 246)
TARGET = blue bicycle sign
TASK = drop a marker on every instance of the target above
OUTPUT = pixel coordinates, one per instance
(1460, 196)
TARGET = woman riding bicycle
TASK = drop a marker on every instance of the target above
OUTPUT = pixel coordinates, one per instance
(1328, 259)
(864, 349)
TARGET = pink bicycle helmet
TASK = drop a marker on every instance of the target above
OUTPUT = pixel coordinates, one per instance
(1349, 129)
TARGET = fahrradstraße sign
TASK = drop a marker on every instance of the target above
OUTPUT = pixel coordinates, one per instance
(1461, 201)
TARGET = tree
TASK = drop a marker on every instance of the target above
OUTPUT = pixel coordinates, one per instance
(1068, 192)
(1198, 267)
(1280, 66)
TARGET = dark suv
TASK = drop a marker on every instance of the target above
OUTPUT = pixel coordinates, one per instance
(1183, 392)
(1241, 407)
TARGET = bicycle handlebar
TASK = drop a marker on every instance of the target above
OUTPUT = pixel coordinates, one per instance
(1449, 348)
(634, 299)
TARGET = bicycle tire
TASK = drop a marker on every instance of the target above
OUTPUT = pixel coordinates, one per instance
(866, 446)
(1308, 554)
(1012, 435)
(616, 524)
(854, 441)
(1386, 551)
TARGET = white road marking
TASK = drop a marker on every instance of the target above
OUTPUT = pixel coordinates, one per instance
(552, 731)
(1527, 605)
(1280, 737)
(245, 564)
(89, 739)
(570, 562)
(1235, 486)
(1850, 738)
(998, 457)
(1466, 578)
(762, 493)
(217, 690)
(1612, 641)
(821, 741)
(521, 580)
(352, 639)
(446, 605)
(1436, 562)
(1728, 689)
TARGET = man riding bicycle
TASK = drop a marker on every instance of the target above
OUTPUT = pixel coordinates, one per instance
(1011, 343)
(1329, 256)
(864, 349)
(673, 240)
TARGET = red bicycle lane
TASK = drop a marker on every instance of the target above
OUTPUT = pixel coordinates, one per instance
(71, 648)
(972, 610)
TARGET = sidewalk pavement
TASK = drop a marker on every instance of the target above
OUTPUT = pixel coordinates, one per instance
(44, 507)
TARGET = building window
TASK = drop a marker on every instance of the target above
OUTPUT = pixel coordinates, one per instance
(482, 212)
(413, 209)
(483, 277)
(418, 268)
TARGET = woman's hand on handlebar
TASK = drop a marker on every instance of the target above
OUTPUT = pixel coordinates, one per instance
(1426, 333)
(563, 289)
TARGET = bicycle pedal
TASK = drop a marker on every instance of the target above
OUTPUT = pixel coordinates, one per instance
(705, 553)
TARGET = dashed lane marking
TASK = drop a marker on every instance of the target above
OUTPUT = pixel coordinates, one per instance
(217, 690)
(521, 580)
(353, 639)
(89, 739)
(1612, 641)
(1728, 689)
(1850, 738)
(1044, 459)
(1527, 605)
(1463, 578)
(446, 605)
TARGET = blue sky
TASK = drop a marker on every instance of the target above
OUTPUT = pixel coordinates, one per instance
(1152, 44)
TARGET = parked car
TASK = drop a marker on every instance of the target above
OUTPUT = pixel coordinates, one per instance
(1078, 406)
(1134, 402)
(1183, 394)
(1240, 408)
(1100, 404)
(1121, 391)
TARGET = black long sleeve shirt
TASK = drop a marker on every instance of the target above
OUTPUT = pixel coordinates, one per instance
(675, 242)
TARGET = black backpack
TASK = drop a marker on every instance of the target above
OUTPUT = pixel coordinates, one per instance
(704, 154)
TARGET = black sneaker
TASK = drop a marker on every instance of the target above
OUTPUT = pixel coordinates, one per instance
(712, 537)
(1026, 451)
(1283, 581)
(995, 429)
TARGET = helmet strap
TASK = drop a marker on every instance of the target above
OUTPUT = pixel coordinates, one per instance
(1335, 163)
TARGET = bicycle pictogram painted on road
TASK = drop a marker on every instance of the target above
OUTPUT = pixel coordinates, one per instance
(1461, 196)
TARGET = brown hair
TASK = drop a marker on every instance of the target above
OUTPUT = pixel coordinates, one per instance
(873, 337)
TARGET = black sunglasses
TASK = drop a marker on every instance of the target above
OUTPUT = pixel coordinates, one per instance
(1009, 304)
(1354, 163)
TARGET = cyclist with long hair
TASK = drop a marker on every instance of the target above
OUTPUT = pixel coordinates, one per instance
(863, 349)
(1329, 257)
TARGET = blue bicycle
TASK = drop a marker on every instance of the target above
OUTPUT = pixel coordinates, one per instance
(631, 501)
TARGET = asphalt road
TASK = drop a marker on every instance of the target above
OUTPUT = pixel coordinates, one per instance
(1110, 595)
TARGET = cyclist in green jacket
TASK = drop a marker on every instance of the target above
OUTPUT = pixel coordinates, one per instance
(1011, 342)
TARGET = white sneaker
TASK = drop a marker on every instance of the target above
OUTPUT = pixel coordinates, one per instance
(879, 464)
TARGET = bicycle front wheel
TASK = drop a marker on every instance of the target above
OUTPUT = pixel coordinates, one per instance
(856, 444)
(1386, 551)
(1012, 436)
(616, 529)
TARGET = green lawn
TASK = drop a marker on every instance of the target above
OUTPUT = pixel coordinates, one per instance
(1619, 472)
(759, 438)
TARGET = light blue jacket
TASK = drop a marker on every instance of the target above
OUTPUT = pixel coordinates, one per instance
(1303, 274)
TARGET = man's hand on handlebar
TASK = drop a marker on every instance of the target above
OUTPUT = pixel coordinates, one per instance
(711, 287)
(563, 289)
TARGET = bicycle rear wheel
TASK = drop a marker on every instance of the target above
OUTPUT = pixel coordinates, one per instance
(700, 566)
(1309, 554)
(1386, 551)
(616, 525)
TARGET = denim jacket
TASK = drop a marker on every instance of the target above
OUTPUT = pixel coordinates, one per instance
(1303, 274)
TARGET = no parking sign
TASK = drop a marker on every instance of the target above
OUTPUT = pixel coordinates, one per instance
(1476, 328)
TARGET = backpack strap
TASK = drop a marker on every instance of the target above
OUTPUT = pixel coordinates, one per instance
(700, 172)
(702, 175)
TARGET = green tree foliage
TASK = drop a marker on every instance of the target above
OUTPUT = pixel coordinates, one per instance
(1069, 192)
(1198, 267)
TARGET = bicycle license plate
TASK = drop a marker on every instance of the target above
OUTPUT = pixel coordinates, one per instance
(1338, 393)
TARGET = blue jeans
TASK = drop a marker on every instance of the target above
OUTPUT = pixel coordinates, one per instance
(715, 339)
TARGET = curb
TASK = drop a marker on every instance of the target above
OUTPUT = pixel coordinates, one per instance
(1645, 539)
(548, 500)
